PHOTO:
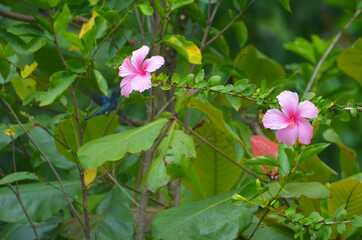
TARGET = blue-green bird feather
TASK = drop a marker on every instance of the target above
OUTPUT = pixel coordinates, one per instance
(107, 104)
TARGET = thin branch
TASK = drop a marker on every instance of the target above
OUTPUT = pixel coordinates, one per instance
(257, 225)
(122, 189)
(230, 24)
(203, 89)
(46, 159)
(134, 121)
(140, 24)
(17, 195)
(221, 152)
(209, 23)
(152, 199)
(311, 81)
(26, 18)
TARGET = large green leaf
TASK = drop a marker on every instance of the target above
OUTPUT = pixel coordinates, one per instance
(101, 81)
(322, 172)
(215, 115)
(116, 217)
(257, 66)
(172, 159)
(113, 147)
(46, 143)
(212, 218)
(94, 130)
(241, 32)
(313, 190)
(311, 150)
(303, 48)
(62, 20)
(179, 3)
(349, 192)
(26, 29)
(16, 231)
(184, 47)
(216, 173)
(59, 82)
(350, 61)
(40, 201)
(18, 176)
(347, 157)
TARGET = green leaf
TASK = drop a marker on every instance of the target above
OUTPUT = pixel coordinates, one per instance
(28, 69)
(120, 55)
(5, 139)
(286, 158)
(179, 3)
(220, 43)
(216, 174)
(17, 43)
(18, 176)
(146, 8)
(322, 172)
(26, 29)
(59, 82)
(265, 160)
(46, 143)
(101, 81)
(40, 201)
(200, 76)
(35, 44)
(73, 39)
(184, 47)
(196, 15)
(23, 87)
(311, 150)
(285, 4)
(241, 32)
(225, 220)
(75, 66)
(257, 67)
(356, 221)
(113, 147)
(349, 192)
(347, 157)
(173, 159)
(214, 80)
(116, 217)
(61, 21)
(303, 48)
(313, 190)
(159, 8)
(215, 115)
(350, 61)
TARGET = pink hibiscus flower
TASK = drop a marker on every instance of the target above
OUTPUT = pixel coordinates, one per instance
(137, 72)
(291, 122)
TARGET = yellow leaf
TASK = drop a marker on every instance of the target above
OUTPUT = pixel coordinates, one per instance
(85, 28)
(28, 70)
(10, 132)
(23, 86)
(89, 176)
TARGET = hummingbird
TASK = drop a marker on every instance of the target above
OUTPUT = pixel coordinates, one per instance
(107, 104)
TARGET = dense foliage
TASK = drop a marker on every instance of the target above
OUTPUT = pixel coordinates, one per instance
(216, 120)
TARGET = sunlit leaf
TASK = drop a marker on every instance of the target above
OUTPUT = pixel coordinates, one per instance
(23, 86)
(18, 176)
(28, 69)
(184, 47)
(113, 147)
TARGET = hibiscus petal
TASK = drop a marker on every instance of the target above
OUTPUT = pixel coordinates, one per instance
(287, 135)
(275, 119)
(306, 109)
(153, 63)
(305, 131)
(126, 86)
(288, 102)
(127, 68)
(138, 56)
(141, 82)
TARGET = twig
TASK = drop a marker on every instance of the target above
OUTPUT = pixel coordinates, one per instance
(140, 24)
(144, 195)
(257, 225)
(311, 81)
(46, 159)
(221, 152)
(26, 18)
(164, 106)
(152, 199)
(230, 24)
(17, 195)
(135, 122)
(122, 189)
(203, 89)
